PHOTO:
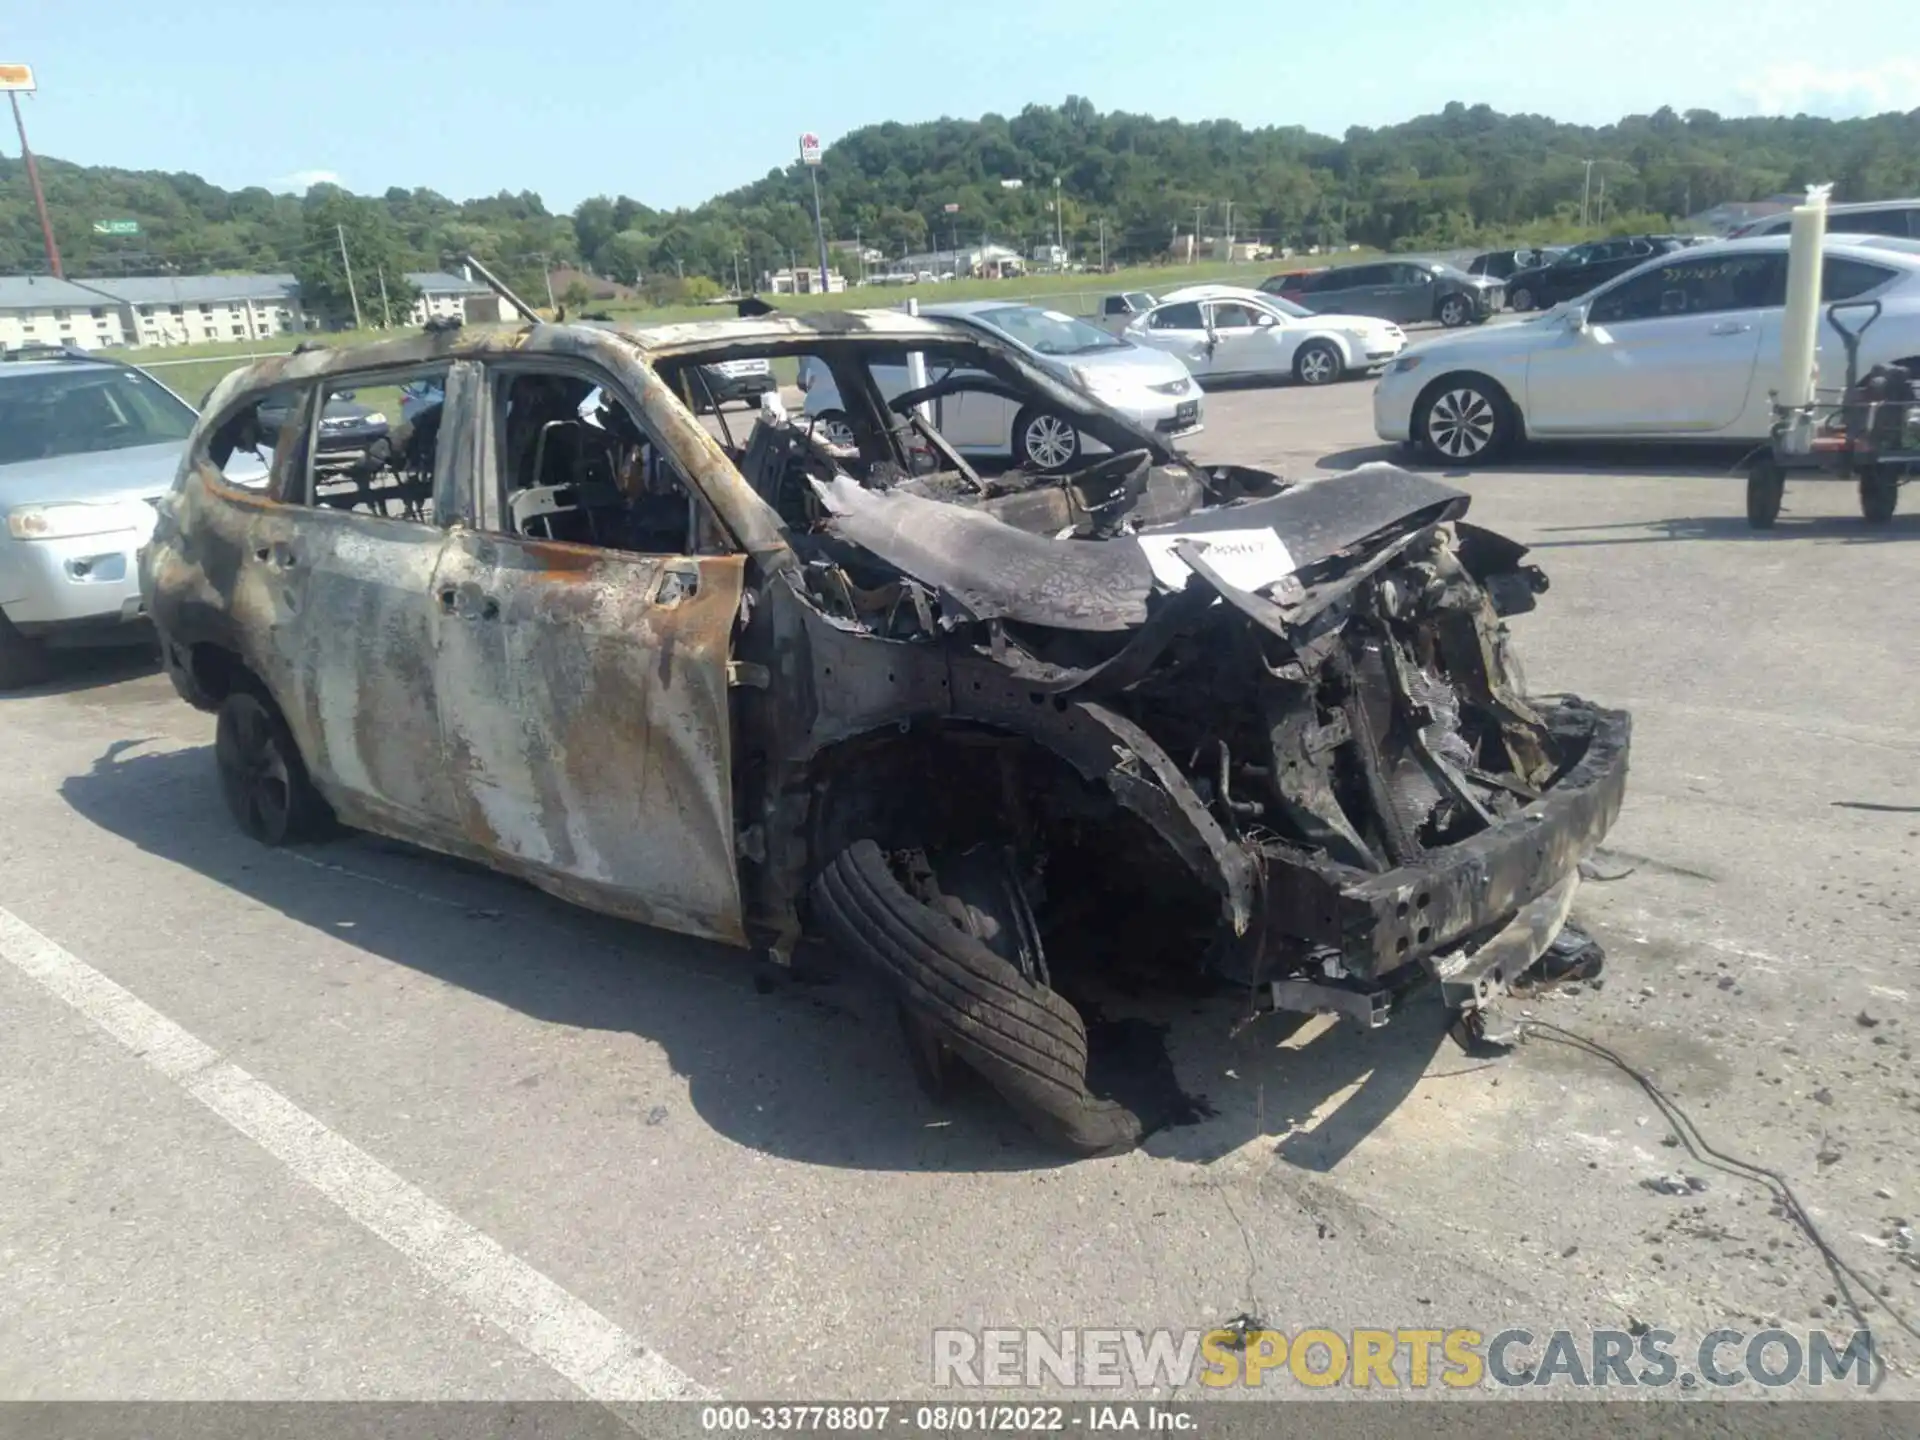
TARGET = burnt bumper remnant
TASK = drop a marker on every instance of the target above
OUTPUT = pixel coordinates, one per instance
(1004, 736)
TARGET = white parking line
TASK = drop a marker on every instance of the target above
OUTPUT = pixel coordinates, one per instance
(583, 1345)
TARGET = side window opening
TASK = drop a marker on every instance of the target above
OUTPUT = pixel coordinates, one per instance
(374, 446)
(575, 465)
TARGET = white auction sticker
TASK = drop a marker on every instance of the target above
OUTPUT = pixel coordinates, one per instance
(1245, 559)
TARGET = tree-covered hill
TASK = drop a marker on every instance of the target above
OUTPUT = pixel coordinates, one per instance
(1459, 177)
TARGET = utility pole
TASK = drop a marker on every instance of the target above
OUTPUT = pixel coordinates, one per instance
(1600, 209)
(1193, 250)
(736, 274)
(1103, 244)
(820, 235)
(1586, 186)
(546, 273)
(39, 196)
(341, 234)
(1059, 223)
(860, 255)
(386, 311)
(1229, 230)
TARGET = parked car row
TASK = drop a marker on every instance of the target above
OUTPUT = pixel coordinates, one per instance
(1683, 346)
(977, 414)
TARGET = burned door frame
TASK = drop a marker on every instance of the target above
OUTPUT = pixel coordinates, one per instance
(353, 629)
(584, 692)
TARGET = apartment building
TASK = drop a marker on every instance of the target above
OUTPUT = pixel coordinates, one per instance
(147, 310)
(160, 310)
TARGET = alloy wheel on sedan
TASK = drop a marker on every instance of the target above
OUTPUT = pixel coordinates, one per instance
(1318, 363)
(1045, 441)
(1462, 421)
(1455, 312)
(833, 427)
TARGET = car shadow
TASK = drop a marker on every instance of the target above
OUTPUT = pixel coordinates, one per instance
(1541, 458)
(89, 668)
(1837, 529)
(807, 1065)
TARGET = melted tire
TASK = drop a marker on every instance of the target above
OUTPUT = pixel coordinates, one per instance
(1027, 1042)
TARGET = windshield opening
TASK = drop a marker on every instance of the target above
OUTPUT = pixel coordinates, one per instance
(1049, 331)
(1285, 306)
(54, 413)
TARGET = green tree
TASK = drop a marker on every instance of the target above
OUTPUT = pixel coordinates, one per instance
(347, 244)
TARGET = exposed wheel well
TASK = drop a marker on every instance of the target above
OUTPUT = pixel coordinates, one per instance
(1102, 878)
(1493, 386)
(217, 671)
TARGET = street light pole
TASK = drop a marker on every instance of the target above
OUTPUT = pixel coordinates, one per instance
(39, 196)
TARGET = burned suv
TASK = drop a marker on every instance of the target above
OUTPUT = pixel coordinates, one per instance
(993, 734)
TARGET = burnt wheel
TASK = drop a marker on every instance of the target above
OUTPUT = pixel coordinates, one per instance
(262, 775)
(969, 978)
(1766, 484)
(1879, 494)
(1520, 298)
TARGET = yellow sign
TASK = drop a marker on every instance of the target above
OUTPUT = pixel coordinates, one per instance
(16, 77)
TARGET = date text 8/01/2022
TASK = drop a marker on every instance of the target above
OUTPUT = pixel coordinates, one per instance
(881, 1419)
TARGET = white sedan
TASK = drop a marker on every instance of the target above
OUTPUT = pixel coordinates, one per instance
(1686, 346)
(1228, 331)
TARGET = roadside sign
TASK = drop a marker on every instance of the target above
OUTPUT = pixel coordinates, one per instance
(16, 77)
(809, 149)
(951, 208)
(116, 227)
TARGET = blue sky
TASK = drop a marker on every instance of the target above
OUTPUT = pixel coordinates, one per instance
(671, 101)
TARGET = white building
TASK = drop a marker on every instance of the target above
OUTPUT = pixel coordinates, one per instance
(193, 309)
(39, 310)
(444, 296)
(805, 281)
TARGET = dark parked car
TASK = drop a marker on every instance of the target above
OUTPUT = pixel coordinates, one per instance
(1408, 291)
(1502, 264)
(1583, 267)
(1874, 217)
(349, 431)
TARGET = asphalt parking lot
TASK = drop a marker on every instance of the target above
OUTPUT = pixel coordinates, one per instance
(450, 1138)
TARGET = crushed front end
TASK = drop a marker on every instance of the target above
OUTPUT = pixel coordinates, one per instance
(1308, 691)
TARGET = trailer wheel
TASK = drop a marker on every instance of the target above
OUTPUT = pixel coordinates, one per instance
(955, 965)
(1766, 484)
(1879, 494)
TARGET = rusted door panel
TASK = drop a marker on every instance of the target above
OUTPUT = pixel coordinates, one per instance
(357, 625)
(583, 699)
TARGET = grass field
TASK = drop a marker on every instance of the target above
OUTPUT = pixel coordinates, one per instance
(192, 370)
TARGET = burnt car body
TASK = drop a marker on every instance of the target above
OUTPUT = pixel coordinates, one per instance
(984, 733)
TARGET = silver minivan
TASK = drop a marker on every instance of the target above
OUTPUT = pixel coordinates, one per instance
(87, 447)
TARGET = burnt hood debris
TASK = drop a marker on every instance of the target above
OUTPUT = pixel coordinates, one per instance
(996, 570)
